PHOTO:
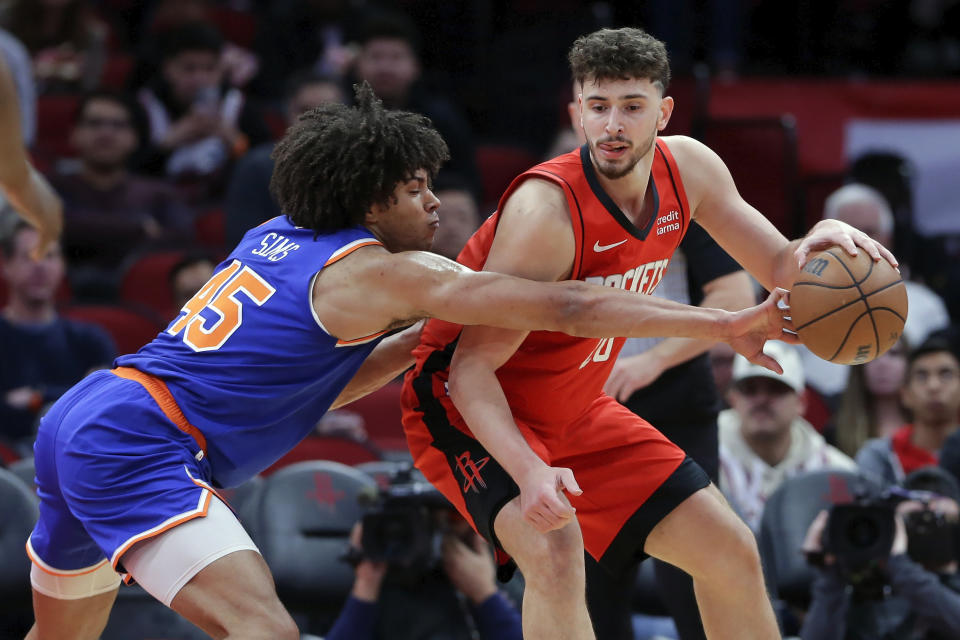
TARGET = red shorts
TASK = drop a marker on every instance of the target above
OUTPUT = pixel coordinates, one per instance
(631, 475)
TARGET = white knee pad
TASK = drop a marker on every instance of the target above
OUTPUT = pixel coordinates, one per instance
(162, 565)
(72, 585)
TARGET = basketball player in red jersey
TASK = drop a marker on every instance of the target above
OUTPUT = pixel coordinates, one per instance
(25, 188)
(514, 427)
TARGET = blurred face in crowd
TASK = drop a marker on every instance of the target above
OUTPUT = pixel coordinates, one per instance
(459, 218)
(390, 66)
(621, 119)
(189, 72)
(33, 282)
(884, 375)
(932, 389)
(721, 363)
(104, 135)
(188, 281)
(863, 215)
(766, 407)
(311, 96)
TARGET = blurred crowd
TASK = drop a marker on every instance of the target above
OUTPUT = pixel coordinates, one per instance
(154, 121)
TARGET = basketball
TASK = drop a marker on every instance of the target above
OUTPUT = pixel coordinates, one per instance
(848, 309)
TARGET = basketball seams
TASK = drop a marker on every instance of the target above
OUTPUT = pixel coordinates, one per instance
(873, 322)
(850, 330)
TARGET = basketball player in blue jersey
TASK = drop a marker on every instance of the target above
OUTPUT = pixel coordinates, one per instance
(292, 323)
(24, 187)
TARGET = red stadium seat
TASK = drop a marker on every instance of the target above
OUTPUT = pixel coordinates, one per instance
(130, 329)
(55, 114)
(382, 417)
(498, 166)
(116, 70)
(145, 282)
(211, 228)
(339, 449)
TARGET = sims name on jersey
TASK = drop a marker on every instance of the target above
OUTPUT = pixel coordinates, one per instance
(275, 247)
(643, 279)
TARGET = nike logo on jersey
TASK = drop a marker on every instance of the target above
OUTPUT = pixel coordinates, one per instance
(600, 248)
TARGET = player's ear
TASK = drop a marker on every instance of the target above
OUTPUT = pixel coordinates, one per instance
(666, 110)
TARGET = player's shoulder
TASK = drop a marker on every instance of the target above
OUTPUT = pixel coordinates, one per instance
(698, 163)
(685, 148)
(536, 200)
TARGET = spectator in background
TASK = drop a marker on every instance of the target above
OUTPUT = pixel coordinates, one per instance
(866, 209)
(468, 569)
(459, 215)
(721, 366)
(248, 200)
(305, 34)
(197, 126)
(43, 354)
(109, 212)
(922, 598)
(931, 393)
(389, 60)
(67, 42)
(763, 436)
(187, 276)
(870, 406)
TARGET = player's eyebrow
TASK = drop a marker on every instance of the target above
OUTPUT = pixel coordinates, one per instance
(629, 96)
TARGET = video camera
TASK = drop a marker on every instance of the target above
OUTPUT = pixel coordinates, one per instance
(402, 527)
(860, 535)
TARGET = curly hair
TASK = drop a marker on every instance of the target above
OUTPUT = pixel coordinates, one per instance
(337, 161)
(618, 54)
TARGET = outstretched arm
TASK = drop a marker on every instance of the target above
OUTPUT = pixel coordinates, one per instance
(389, 359)
(25, 188)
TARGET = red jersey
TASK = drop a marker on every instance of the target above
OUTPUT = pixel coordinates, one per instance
(553, 378)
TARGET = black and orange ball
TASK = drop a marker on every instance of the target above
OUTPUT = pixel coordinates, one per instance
(848, 309)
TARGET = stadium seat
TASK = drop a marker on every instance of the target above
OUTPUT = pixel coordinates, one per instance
(762, 156)
(25, 470)
(136, 615)
(787, 516)
(18, 506)
(210, 227)
(55, 114)
(129, 328)
(116, 69)
(381, 415)
(145, 282)
(336, 448)
(301, 524)
(498, 166)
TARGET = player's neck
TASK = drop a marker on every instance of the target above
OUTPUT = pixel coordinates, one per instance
(631, 192)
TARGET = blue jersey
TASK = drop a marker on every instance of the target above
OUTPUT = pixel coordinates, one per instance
(247, 360)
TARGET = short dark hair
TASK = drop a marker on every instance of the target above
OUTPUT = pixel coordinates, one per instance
(337, 161)
(188, 260)
(390, 25)
(190, 36)
(620, 54)
(305, 78)
(138, 119)
(8, 243)
(933, 344)
(935, 480)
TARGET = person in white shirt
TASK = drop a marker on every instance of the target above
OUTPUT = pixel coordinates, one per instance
(763, 437)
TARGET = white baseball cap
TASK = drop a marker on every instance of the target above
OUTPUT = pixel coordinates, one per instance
(783, 353)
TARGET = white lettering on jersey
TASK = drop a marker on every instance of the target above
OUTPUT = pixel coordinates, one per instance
(275, 247)
(668, 222)
(643, 279)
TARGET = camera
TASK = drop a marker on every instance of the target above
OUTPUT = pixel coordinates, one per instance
(402, 527)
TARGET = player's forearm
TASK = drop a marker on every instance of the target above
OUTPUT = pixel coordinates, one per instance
(608, 312)
(478, 396)
(785, 269)
(388, 360)
(31, 195)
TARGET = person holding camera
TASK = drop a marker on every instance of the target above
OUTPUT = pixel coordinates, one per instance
(912, 591)
(384, 603)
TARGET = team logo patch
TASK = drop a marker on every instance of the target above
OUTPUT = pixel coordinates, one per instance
(470, 469)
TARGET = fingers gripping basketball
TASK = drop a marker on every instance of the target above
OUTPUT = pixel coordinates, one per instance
(848, 309)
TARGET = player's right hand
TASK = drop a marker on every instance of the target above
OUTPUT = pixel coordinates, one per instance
(752, 327)
(541, 500)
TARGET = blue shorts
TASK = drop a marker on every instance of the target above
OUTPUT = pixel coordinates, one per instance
(112, 469)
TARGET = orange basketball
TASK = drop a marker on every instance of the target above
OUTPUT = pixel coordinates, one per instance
(848, 309)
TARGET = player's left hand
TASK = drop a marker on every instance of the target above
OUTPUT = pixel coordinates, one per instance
(828, 233)
(632, 373)
(753, 326)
